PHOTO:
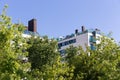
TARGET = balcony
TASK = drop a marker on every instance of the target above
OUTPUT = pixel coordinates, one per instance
(92, 39)
(92, 47)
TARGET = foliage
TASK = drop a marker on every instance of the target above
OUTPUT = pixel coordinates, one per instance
(103, 63)
(45, 59)
(12, 45)
(99, 64)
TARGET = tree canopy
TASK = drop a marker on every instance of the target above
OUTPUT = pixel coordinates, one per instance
(99, 64)
(12, 45)
(44, 60)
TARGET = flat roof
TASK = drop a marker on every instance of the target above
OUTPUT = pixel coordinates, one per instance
(61, 38)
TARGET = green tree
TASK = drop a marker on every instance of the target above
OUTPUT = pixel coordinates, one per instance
(12, 45)
(45, 59)
(99, 64)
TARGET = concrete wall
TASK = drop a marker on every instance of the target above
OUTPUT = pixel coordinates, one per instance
(81, 40)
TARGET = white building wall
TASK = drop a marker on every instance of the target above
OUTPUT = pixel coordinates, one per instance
(81, 40)
(26, 35)
(98, 36)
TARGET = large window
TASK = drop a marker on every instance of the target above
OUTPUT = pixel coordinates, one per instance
(66, 43)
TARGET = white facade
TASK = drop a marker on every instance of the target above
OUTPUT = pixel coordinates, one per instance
(26, 35)
(85, 38)
(81, 40)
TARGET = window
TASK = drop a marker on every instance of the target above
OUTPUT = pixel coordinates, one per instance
(59, 45)
(66, 43)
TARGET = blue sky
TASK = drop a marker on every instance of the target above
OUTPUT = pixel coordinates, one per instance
(62, 17)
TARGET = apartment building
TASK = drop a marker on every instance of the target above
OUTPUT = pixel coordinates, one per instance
(83, 38)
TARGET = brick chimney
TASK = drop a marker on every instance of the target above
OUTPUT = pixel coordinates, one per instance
(32, 25)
